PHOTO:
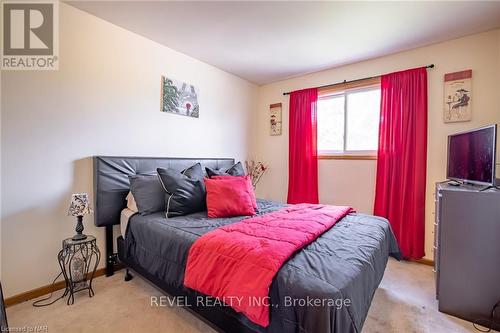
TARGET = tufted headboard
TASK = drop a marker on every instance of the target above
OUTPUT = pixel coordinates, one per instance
(111, 184)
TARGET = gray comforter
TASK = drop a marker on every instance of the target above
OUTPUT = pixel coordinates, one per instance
(325, 287)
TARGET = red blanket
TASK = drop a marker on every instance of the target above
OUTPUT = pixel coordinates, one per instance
(238, 262)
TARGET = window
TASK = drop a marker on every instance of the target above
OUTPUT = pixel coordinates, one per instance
(348, 122)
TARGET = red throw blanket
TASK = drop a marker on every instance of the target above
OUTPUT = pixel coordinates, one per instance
(238, 262)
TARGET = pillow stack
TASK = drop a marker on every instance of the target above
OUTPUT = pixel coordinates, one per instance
(224, 193)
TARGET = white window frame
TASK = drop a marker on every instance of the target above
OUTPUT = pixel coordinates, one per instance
(348, 154)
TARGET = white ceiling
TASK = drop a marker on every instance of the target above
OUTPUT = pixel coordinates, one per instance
(265, 42)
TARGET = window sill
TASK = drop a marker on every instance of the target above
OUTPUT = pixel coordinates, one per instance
(347, 157)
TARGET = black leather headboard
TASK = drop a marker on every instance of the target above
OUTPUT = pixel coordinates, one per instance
(111, 184)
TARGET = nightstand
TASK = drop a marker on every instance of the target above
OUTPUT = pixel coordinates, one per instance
(76, 259)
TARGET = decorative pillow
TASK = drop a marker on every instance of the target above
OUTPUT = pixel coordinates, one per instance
(131, 204)
(148, 194)
(185, 190)
(235, 170)
(194, 172)
(226, 198)
(248, 182)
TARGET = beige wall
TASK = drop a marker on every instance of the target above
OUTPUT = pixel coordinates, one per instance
(353, 182)
(103, 100)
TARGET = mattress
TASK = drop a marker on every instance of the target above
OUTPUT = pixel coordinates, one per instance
(342, 268)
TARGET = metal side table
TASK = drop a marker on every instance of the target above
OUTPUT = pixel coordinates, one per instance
(76, 259)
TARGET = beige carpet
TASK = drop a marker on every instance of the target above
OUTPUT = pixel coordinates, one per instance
(403, 303)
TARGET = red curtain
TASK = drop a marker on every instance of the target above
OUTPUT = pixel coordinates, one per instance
(303, 153)
(402, 154)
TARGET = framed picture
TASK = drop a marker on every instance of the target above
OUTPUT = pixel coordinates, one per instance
(179, 98)
(457, 96)
(275, 118)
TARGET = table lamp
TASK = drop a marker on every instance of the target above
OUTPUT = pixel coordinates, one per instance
(79, 206)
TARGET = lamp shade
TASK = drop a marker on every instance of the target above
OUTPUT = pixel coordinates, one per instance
(79, 205)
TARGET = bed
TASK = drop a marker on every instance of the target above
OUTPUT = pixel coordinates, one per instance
(342, 268)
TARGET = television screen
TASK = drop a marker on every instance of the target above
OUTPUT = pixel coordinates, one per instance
(471, 155)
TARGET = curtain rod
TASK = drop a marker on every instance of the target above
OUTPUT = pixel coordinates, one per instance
(343, 82)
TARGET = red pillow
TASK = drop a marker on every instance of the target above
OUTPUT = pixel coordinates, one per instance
(226, 198)
(239, 179)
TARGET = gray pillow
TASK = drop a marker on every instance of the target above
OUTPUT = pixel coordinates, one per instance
(185, 190)
(235, 170)
(148, 194)
(194, 172)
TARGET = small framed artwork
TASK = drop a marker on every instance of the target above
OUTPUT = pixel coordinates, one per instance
(179, 98)
(457, 96)
(275, 118)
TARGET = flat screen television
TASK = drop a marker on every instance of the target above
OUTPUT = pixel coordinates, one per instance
(471, 156)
